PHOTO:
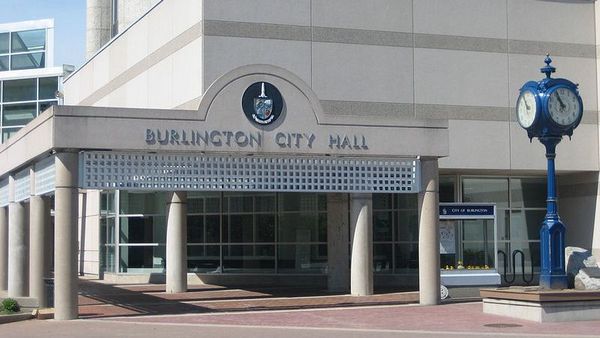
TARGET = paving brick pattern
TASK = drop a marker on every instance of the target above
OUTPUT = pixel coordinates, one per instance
(304, 308)
(100, 300)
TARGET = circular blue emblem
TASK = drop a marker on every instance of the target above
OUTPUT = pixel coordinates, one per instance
(262, 103)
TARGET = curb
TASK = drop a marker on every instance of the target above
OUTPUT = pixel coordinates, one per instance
(17, 317)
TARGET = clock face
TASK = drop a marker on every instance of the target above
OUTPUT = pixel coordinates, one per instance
(564, 106)
(526, 109)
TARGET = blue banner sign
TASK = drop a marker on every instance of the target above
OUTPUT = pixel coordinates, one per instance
(466, 210)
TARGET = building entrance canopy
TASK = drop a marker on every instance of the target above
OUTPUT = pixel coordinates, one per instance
(257, 128)
(225, 145)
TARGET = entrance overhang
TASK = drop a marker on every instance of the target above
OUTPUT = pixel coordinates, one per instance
(307, 149)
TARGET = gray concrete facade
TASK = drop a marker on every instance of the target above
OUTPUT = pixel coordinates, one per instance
(429, 80)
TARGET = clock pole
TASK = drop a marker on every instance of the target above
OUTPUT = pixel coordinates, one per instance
(554, 118)
(552, 233)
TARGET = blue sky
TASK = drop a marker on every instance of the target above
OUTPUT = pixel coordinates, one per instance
(69, 24)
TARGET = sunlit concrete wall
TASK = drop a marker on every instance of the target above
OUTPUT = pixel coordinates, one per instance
(156, 63)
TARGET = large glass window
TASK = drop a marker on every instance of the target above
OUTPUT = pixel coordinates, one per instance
(20, 90)
(18, 114)
(8, 133)
(302, 233)
(108, 235)
(22, 100)
(520, 209)
(227, 232)
(4, 65)
(23, 50)
(490, 190)
(4, 46)
(142, 232)
(447, 189)
(27, 61)
(395, 233)
(28, 41)
(47, 88)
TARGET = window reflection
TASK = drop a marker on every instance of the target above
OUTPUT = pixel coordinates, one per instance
(19, 90)
(4, 43)
(28, 41)
(28, 61)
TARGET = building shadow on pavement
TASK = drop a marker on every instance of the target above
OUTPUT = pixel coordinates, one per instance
(98, 299)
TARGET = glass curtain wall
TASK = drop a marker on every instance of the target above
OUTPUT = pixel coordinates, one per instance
(395, 233)
(141, 232)
(227, 232)
(521, 206)
(230, 232)
(23, 100)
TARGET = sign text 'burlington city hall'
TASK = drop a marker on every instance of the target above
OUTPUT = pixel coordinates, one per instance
(243, 139)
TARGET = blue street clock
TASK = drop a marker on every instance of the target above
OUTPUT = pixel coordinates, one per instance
(550, 109)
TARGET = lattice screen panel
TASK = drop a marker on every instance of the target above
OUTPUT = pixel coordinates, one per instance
(22, 185)
(45, 176)
(4, 193)
(109, 170)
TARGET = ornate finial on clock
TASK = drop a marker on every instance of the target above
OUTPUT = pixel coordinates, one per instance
(547, 69)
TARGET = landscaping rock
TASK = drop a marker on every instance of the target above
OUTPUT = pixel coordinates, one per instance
(588, 279)
(577, 259)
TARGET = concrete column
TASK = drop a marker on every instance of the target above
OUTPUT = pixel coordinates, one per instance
(18, 252)
(429, 234)
(177, 242)
(338, 269)
(37, 244)
(98, 25)
(65, 236)
(361, 223)
(3, 248)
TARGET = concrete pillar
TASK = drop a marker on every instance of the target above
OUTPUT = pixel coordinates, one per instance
(429, 234)
(18, 251)
(361, 223)
(65, 236)
(3, 248)
(338, 269)
(177, 242)
(98, 25)
(37, 244)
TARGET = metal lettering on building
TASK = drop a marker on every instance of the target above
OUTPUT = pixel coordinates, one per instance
(252, 140)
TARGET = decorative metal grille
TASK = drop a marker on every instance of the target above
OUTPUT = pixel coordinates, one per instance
(45, 175)
(4, 193)
(136, 171)
(22, 185)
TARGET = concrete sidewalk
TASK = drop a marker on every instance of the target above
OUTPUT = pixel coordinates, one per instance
(455, 319)
(146, 310)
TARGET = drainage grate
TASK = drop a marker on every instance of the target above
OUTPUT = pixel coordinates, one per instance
(502, 325)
